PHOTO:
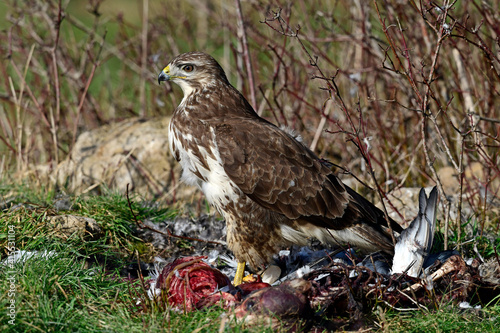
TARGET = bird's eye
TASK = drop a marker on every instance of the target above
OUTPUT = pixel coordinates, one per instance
(187, 68)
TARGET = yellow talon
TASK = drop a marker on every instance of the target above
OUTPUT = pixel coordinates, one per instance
(251, 278)
(240, 271)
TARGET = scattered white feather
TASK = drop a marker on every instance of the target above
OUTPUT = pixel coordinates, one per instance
(230, 261)
(284, 253)
(319, 277)
(466, 305)
(153, 292)
(212, 257)
(304, 270)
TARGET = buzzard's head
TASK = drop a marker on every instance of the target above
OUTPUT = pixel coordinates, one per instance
(193, 71)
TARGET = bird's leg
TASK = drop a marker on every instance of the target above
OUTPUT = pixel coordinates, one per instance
(240, 271)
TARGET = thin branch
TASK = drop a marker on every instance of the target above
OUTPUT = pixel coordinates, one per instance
(141, 225)
(55, 122)
(144, 57)
(246, 53)
(95, 64)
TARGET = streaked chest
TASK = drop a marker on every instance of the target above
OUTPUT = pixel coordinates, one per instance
(195, 147)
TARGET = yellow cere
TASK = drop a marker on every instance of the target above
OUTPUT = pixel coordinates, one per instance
(166, 70)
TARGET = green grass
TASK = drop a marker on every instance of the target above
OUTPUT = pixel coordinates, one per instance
(71, 292)
(62, 295)
(447, 319)
(473, 240)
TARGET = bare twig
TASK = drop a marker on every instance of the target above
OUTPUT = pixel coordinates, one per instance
(144, 56)
(141, 225)
(95, 64)
(246, 53)
(54, 122)
(354, 136)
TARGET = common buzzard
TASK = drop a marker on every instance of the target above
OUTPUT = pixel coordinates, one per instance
(271, 189)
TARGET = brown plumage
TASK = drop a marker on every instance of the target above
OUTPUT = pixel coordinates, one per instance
(271, 189)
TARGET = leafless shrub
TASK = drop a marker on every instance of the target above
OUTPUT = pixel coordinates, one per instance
(393, 92)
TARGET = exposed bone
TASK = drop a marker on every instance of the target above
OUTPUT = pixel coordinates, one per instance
(454, 263)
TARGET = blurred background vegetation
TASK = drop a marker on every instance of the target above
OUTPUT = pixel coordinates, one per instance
(352, 77)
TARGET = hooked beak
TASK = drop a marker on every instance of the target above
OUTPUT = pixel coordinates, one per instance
(164, 75)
